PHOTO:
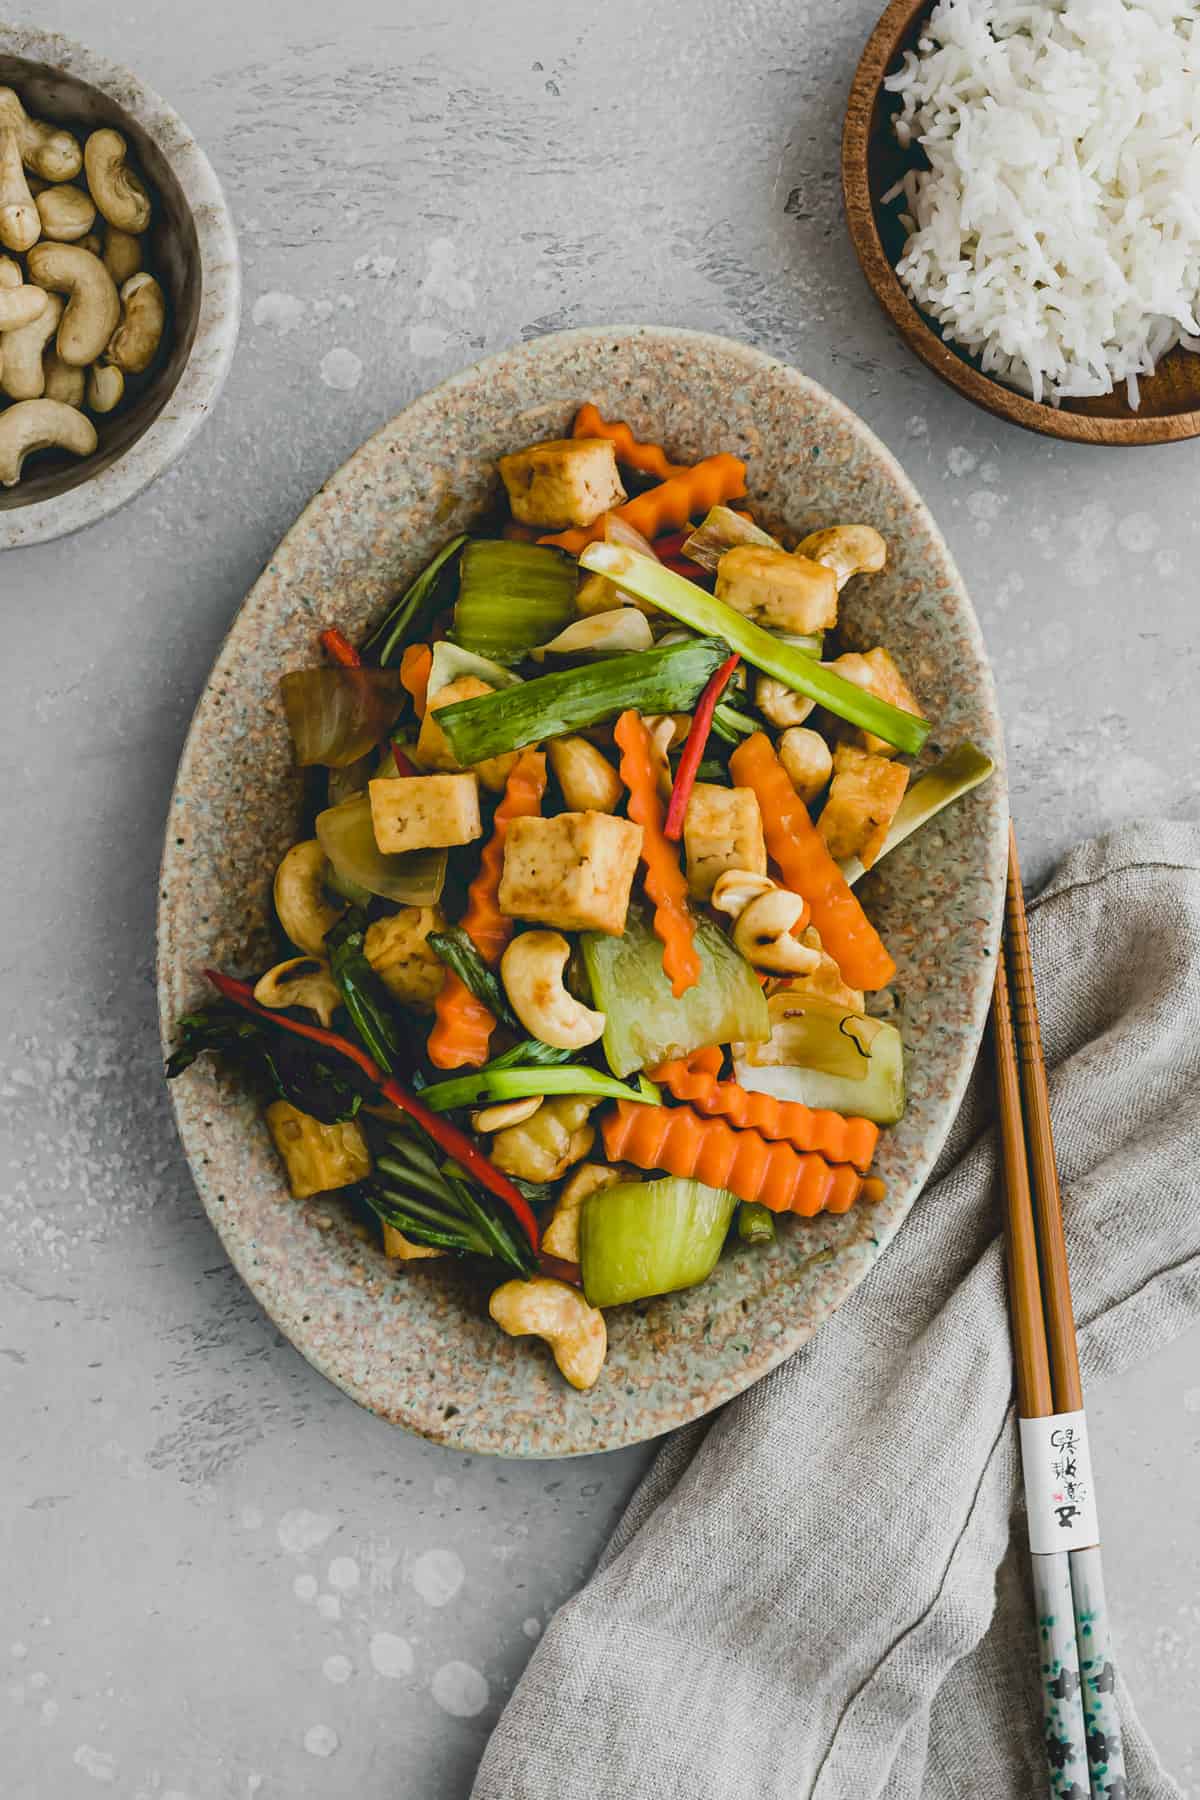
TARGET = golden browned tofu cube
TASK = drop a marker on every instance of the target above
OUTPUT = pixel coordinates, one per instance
(879, 675)
(722, 829)
(863, 797)
(777, 588)
(433, 746)
(317, 1157)
(568, 481)
(402, 1249)
(424, 812)
(574, 871)
(397, 948)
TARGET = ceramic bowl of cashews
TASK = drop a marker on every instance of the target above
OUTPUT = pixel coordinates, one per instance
(118, 286)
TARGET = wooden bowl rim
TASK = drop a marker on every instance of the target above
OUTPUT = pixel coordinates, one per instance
(1005, 402)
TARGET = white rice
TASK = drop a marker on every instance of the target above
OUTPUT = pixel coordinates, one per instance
(1056, 234)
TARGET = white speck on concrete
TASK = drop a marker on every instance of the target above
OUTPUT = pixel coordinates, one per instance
(341, 369)
(50, 1711)
(18, 1650)
(960, 460)
(253, 1783)
(984, 506)
(1085, 566)
(460, 1690)
(443, 283)
(427, 340)
(99, 1764)
(278, 312)
(1191, 1400)
(391, 1655)
(437, 1576)
(39, 1679)
(917, 427)
(445, 1487)
(1166, 563)
(251, 1518)
(305, 1587)
(337, 1669)
(322, 310)
(1138, 532)
(375, 265)
(343, 1574)
(321, 1740)
(532, 1628)
(301, 1531)
(329, 1606)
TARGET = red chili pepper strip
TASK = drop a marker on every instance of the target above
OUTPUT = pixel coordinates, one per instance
(569, 1272)
(694, 745)
(403, 766)
(454, 1142)
(672, 544)
(339, 649)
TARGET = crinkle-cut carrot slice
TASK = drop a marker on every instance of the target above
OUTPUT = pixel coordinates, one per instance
(415, 665)
(647, 459)
(665, 507)
(838, 1139)
(665, 881)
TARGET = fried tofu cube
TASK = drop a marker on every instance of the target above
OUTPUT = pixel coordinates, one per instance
(863, 797)
(424, 812)
(397, 948)
(318, 1158)
(778, 588)
(722, 829)
(433, 746)
(568, 481)
(879, 675)
(574, 871)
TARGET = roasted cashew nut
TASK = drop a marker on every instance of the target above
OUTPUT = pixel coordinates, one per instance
(93, 307)
(46, 149)
(117, 191)
(763, 934)
(122, 254)
(301, 900)
(588, 780)
(532, 971)
(779, 703)
(575, 1331)
(63, 380)
(105, 387)
(847, 550)
(736, 888)
(66, 213)
(23, 376)
(41, 425)
(19, 305)
(300, 981)
(94, 244)
(807, 761)
(10, 273)
(20, 225)
(505, 1113)
(143, 315)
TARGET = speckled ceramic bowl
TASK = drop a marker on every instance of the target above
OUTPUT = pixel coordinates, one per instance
(416, 1344)
(193, 251)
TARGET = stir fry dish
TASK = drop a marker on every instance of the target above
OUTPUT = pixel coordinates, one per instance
(577, 980)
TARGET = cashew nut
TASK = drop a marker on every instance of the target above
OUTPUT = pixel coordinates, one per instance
(736, 888)
(588, 780)
(807, 761)
(549, 1309)
(23, 376)
(143, 315)
(122, 254)
(532, 971)
(847, 550)
(46, 149)
(763, 934)
(779, 703)
(41, 425)
(10, 273)
(20, 226)
(301, 900)
(560, 1236)
(506, 1113)
(105, 387)
(66, 212)
(93, 307)
(542, 1148)
(93, 243)
(63, 380)
(117, 191)
(300, 981)
(19, 306)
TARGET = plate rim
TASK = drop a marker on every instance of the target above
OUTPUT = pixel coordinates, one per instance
(767, 1354)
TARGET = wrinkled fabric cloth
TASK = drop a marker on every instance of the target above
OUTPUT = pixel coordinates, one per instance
(823, 1593)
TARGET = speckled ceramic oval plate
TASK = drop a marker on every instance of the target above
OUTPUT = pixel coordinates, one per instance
(416, 1344)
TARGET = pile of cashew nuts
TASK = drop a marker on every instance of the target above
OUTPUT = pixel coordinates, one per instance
(78, 312)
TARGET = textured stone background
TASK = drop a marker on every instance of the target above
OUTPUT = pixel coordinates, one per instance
(218, 1573)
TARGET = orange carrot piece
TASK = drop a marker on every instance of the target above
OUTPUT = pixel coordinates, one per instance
(839, 1140)
(648, 459)
(807, 867)
(666, 883)
(678, 1140)
(462, 1024)
(667, 506)
(415, 665)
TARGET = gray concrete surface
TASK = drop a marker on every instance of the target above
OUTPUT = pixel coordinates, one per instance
(219, 1578)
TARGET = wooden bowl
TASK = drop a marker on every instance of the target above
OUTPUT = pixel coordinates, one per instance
(872, 162)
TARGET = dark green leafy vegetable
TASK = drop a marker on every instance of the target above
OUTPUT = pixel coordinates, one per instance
(410, 610)
(646, 1025)
(430, 1203)
(643, 1238)
(363, 994)
(530, 1053)
(274, 1065)
(512, 596)
(732, 725)
(335, 715)
(461, 957)
(653, 681)
(517, 1084)
(755, 1223)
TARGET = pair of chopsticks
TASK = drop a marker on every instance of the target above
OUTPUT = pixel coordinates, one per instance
(1083, 1730)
